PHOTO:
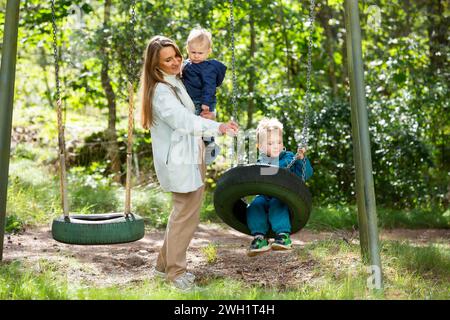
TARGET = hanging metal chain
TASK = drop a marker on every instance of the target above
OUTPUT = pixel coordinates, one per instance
(55, 52)
(61, 142)
(132, 63)
(305, 129)
(234, 114)
(303, 166)
(233, 63)
(307, 98)
(131, 80)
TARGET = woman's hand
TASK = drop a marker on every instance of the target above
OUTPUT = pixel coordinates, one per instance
(230, 128)
(300, 153)
(206, 113)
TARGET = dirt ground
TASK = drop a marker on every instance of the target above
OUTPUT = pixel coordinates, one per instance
(120, 264)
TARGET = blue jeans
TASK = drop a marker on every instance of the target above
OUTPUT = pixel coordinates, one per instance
(198, 110)
(266, 210)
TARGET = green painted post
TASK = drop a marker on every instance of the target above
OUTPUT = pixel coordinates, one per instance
(362, 215)
(7, 78)
(367, 215)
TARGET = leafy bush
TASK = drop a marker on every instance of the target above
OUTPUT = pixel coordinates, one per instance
(13, 224)
(91, 192)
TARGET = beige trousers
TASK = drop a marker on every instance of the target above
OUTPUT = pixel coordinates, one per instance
(183, 222)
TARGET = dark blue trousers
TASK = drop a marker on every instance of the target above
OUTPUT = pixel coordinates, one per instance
(265, 212)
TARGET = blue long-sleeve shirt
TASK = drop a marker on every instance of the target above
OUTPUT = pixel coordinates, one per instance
(282, 161)
(202, 79)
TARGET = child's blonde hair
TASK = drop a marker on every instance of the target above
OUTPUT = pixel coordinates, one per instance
(199, 35)
(267, 124)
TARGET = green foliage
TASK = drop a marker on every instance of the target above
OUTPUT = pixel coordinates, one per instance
(152, 204)
(207, 212)
(405, 51)
(24, 151)
(34, 199)
(32, 196)
(210, 253)
(38, 282)
(413, 218)
(339, 217)
(332, 218)
(91, 193)
(94, 151)
(13, 224)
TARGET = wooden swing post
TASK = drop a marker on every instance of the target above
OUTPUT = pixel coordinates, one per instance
(7, 78)
(365, 192)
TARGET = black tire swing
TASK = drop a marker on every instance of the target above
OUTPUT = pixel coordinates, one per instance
(90, 229)
(246, 180)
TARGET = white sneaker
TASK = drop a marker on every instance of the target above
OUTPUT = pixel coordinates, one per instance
(183, 283)
(212, 151)
(190, 276)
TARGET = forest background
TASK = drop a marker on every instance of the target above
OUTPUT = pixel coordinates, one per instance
(405, 52)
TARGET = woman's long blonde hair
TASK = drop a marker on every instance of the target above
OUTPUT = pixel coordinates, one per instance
(151, 75)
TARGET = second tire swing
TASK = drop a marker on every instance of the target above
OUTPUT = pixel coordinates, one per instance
(90, 229)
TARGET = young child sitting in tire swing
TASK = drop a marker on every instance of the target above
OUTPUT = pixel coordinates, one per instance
(266, 211)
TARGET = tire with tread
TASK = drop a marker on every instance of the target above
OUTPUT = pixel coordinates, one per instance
(239, 182)
(93, 229)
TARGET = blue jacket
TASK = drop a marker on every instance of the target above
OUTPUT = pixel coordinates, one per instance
(284, 158)
(201, 80)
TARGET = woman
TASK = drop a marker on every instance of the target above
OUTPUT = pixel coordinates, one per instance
(178, 151)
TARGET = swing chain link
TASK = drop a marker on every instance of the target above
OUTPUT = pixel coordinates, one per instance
(131, 81)
(61, 142)
(233, 63)
(55, 52)
(132, 78)
(303, 166)
(234, 116)
(305, 129)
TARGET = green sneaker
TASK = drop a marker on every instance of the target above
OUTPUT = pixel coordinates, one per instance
(282, 242)
(258, 245)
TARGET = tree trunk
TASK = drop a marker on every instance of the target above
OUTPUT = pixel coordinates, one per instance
(438, 69)
(437, 34)
(252, 75)
(324, 15)
(111, 134)
(344, 73)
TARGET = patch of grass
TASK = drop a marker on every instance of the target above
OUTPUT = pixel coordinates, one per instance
(432, 261)
(38, 282)
(410, 272)
(332, 217)
(32, 195)
(210, 252)
(414, 218)
(338, 216)
(25, 151)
